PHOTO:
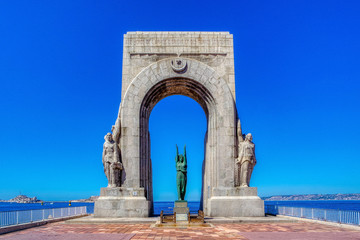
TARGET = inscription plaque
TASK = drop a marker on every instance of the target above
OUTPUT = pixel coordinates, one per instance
(181, 217)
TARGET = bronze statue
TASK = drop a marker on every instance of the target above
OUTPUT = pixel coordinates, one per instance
(111, 161)
(181, 176)
(246, 160)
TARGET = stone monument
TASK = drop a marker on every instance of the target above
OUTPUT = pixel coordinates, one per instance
(199, 65)
(181, 173)
(181, 208)
(246, 160)
(111, 161)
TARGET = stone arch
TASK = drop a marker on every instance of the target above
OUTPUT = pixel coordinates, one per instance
(152, 70)
(201, 83)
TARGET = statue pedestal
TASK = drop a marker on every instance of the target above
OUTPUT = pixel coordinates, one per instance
(122, 202)
(181, 209)
(236, 202)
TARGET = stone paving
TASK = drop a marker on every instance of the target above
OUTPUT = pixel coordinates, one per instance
(253, 231)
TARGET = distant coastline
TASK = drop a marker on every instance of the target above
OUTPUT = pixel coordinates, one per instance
(23, 199)
(90, 199)
(300, 197)
(313, 197)
(26, 199)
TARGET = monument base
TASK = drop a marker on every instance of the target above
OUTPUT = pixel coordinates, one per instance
(122, 202)
(182, 210)
(236, 202)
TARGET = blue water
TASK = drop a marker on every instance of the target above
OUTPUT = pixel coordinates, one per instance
(167, 207)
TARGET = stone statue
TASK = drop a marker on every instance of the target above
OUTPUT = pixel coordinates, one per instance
(111, 161)
(246, 160)
(181, 175)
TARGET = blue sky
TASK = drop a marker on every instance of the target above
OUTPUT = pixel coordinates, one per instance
(297, 81)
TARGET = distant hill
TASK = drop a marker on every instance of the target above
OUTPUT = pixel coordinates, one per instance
(26, 199)
(350, 196)
(23, 199)
(90, 199)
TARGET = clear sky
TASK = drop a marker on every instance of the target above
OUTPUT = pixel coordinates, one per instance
(297, 70)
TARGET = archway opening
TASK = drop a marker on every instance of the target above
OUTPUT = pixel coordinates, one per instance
(154, 83)
(177, 120)
(159, 91)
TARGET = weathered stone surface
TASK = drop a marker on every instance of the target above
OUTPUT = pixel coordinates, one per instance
(199, 65)
(181, 217)
(235, 206)
(122, 202)
(122, 207)
(122, 192)
(237, 191)
(180, 204)
(239, 201)
(181, 207)
(181, 210)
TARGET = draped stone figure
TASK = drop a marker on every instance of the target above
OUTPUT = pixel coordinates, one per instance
(111, 161)
(246, 160)
(181, 175)
(240, 138)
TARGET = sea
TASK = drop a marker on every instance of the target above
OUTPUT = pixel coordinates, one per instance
(167, 207)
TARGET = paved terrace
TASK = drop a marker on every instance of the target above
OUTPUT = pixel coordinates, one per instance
(252, 231)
